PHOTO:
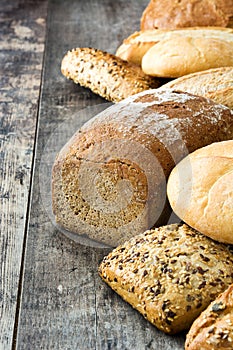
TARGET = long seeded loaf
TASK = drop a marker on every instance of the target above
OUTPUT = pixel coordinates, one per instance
(200, 190)
(213, 329)
(137, 44)
(170, 14)
(109, 181)
(170, 274)
(105, 74)
(216, 84)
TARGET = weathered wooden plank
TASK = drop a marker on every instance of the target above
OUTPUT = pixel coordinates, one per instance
(22, 35)
(65, 305)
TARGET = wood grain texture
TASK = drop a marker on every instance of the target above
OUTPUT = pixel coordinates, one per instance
(21, 55)
(65, 304)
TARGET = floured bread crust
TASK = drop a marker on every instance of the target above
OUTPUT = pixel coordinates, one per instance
(109, 181)
(216, 84)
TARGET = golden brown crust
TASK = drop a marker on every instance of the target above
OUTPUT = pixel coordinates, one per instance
(105, 74)
(213, 329)
(139, 43)
(216, 84)
(205, 202)
(109, 182)
(169, 274)
(184, 55)
(170, 14)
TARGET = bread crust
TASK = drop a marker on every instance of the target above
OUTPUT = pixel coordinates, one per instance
(205, 202)
(184, 55)
(170, 14)
(216, 84)
(136, 45)
(213, 329)
(109, 181)
(105, 74)
(169, 274)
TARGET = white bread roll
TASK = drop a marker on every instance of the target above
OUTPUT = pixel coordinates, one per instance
(200, 190)
(137, 44)
(179, 56)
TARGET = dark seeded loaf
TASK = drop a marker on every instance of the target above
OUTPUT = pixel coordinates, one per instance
(109, 181)
(170, 274)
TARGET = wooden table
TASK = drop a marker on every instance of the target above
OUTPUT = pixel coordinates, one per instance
(51, 296)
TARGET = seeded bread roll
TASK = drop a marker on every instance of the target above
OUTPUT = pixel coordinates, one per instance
(105, 74)
(169, 274)
(200, 190)
(213, 329)
(216, 84)
(170, 14)
(109, 181)
(139, 43)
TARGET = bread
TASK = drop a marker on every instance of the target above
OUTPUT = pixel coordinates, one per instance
(213, 329)
(105, 74)
(169, 274)
(109, 181)
(183, 55)
(170, 14)
(200, 190)
(137, 44)
(216, 84)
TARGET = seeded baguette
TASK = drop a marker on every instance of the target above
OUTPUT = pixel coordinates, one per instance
(169, 274)
(213, 329)
(105, 74)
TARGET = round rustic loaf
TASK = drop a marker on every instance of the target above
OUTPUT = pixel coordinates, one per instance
(109, 181)
(171, 14)
(200, 190)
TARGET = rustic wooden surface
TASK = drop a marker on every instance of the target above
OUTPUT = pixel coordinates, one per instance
(51, 296)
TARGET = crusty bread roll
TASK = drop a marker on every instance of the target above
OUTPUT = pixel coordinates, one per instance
(170, 14)
(183, 55)
(137, 44)
(200, 190)
(216, 84)
(109, 181)
(105, 74)
(169, 274)
(213, 329)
